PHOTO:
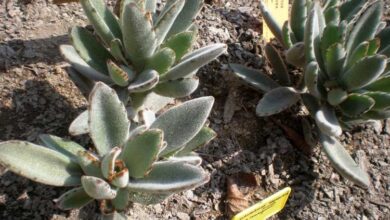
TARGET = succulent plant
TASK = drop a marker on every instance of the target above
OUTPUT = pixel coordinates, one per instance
(345, 78)
(142, 163)
(291, 35)
(140, 52)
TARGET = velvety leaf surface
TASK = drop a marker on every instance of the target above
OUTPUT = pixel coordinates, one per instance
(73, 199)
(108, 122)
(343, 162)
(61, 145)
(181, 123)
(255, 78)
(276, 101)
(170, 177)
(141, 151)
(39, 163)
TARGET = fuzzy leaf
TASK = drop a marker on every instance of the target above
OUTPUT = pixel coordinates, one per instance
(255, 78)
(103, 20)
(138, 36)
(327, 121)
(181, 43)
(312, 31)
(194, 61)
(277, 63)
(117, 74)
(120, 178)
(332, 15)
(177, 88)
(382, 100)
(298, 18)
(121, 201)
(89, 163)
(66, 147)
(384, 37)
(141, 151)
(116, 50)
(334, 60)
(364, 72)
(350, 8)
(185, 19)
(377, 115)
(189, 159)
(90, 49)
(343, 162)
(311, 103)
(156, 102)
(271, 22)
(108, 162)
(204, 136)
(161, 61)
(39, 163)
(380, 85)
(358, 54)
(337, 96)
(276, 101)
(79, 126)
(181, 123)
(166, 20)
(373, 47)
(97, 188)
(146, 80)
(311, 79)
(71, 55)
(365, 28)
(108, 122)
(73, 199)
(170, 177)
(288, 35)
(150, 5)
(332, 35)
(357, 104)
(295, 55)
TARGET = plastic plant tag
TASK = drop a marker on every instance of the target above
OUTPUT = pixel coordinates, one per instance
(266, 208)
(279, 10)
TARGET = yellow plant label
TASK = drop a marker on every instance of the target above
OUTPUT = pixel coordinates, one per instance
(266, 208)
(279, 10)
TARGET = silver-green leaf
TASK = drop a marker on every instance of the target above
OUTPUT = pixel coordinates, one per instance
(39, 163)
(108, 122)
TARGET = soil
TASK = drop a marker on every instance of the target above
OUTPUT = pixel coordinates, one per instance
(37, 96)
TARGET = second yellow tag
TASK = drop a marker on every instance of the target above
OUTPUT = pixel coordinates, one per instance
(279, 10)
(266, 208)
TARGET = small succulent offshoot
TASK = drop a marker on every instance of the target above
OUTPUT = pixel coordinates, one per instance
(139, 163)
(143, 53)
(345, 49)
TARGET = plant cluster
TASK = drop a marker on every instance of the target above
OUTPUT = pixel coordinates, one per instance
(142, 52)
(143, 164)
(343, 49)
(132, 65)
(135, 61)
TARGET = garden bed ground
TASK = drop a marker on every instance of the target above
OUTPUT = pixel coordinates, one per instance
(37, 96)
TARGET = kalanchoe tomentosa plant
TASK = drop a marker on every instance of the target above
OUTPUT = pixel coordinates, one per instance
(143, 164)
(346, 75)
(291, 34)
(140, 52)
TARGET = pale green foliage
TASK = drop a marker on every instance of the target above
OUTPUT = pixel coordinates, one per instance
(343, 50)
(141, 51)
(131, 161)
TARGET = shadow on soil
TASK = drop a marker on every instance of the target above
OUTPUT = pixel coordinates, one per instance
(36, 108)
(16, 53)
